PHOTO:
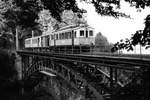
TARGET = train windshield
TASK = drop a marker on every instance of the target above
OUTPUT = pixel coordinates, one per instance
(91, 33)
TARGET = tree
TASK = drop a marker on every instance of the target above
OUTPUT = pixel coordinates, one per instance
(70, 17)
(6, 41)
(140, 37)
(103, 7)
(29, 9)
(24, 13)
(101, 43)
(46, 21)
(9, 85)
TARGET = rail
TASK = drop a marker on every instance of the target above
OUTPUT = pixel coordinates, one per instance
(114, 61)
(89, 51)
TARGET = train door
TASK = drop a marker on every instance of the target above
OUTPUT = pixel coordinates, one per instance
(38, 42)
(41, 41)
(86, 34)
(46, 40)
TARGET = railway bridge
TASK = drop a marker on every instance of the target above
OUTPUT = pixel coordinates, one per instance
(87, 77)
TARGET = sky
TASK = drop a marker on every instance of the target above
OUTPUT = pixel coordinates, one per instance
(116, 29)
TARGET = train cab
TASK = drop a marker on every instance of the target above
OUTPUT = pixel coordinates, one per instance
(84, 36)
(73, 35)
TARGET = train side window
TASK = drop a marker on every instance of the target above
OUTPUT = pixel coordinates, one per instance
(81, 32)
(48, 41)
(52, 37)
(75, 34)
(27, 41)
(41, 41)
(69, 35)
(56, 36)
(38, 41)
(34, 41)
(63, 35)
(66, 35)
(91, 33)
(60, 36)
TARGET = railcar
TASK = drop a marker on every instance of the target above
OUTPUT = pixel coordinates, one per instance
(65, 39)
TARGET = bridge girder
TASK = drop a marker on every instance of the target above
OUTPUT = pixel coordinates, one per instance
(82, 76)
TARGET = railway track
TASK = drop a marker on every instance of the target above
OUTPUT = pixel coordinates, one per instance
(113, 60)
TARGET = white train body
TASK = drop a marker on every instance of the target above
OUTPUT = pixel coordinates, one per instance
(66, 36)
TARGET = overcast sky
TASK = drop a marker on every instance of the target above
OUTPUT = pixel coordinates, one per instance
(116, 29)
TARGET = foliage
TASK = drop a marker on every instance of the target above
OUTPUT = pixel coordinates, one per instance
(7, 70)
(100, 40)
(69, 17)
(101, 43)
(42, 93)
(6, 41)
(56, 7)
(141, 37)
(24, 13)
(103, 7)
(108, 7)
(123, 44)
(14, 14)
(46, 21)
(9, 85)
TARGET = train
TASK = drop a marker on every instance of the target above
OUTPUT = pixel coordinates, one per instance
(68, 38)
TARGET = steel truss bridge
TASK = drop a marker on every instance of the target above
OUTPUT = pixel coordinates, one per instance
(94, 77)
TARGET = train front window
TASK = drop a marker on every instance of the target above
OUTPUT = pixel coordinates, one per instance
(86, 33)
(81, 32)
(91, 33)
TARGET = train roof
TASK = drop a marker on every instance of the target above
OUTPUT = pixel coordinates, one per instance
(73, 27)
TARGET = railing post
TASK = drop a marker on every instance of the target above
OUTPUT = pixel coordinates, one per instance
(91, 48)
(80, 48)
(111, 83)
